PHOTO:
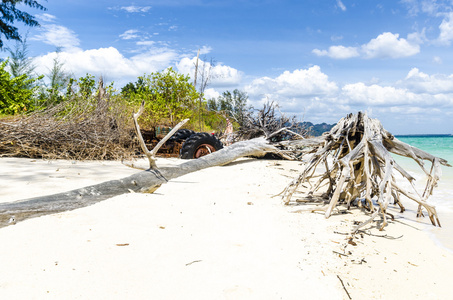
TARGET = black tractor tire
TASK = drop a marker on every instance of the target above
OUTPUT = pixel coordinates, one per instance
(181, 135)
(200, 144)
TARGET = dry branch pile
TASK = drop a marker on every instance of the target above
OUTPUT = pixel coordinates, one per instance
(90, 129)
(359, 169)
(270, 123)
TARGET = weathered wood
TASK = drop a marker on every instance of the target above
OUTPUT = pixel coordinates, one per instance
(151, 155)
(17, 211)
(363, 168)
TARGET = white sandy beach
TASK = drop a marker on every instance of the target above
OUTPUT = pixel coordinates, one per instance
(213, 234)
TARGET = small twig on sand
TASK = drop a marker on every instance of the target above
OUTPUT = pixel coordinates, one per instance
(382, 236)
(349, 296)
(195, 261)
(343, 233)
(339, 253)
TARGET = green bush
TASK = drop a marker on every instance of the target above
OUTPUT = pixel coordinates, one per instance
(16, 93)
(169, 97)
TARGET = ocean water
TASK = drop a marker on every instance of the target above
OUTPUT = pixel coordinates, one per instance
(442, 198)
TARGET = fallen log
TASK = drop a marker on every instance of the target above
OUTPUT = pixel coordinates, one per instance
(149, 180)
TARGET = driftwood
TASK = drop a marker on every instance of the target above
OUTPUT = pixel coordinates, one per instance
(151, 155)
(359, 167)
(144, 181)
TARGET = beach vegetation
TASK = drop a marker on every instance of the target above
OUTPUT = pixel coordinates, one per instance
(233, 105)
(19, 61)
(169, 97)
(16, 93)
(58, 81)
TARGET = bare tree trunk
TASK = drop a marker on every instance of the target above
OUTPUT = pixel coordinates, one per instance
(145, 181)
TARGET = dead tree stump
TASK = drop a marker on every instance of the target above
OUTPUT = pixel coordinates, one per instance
(359, 167)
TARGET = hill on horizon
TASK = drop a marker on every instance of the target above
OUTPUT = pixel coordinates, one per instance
(317, 129)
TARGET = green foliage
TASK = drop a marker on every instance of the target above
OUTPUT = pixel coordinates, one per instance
(59, 80)
(233, 105)
(169, 97)
(19, 62)
(212, 120)
(10, 14)
(212, 105)
(84, 87)
(15, 92)
(128, 90)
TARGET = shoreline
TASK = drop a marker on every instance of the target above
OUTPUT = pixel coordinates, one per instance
(216, 233)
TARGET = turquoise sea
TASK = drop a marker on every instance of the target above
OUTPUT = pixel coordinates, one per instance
(442, 198)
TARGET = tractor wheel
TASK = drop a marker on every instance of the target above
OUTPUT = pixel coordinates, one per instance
(200, 144)
(181, 135)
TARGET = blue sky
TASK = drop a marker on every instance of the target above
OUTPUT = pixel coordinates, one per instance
(319, 59)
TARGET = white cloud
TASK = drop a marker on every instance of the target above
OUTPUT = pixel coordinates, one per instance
(211, 93)
(430, 7)
(423, 83)
(129, 34)
(205, 50)
(145, 43)
(412, 6)
(389, 45)
(417, 90)
(294, 91)
(338, 52)
(446, 30)
(221, 75)
(46, 17)
(299, 83)
(110, 63)
(437, 60)
(225, 76)
(309, 92)
(376, 95)
(417, 38)
(341, 5)
(136, 9)
(385, 45)
(58, 36)
(436, 9)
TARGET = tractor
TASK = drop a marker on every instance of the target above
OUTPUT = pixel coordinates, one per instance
(185, 143)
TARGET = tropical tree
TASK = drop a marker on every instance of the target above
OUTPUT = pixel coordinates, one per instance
(169, 96)
(15, 92)
(59, 79)
(19, 62)
(10, 14)
(233, 104)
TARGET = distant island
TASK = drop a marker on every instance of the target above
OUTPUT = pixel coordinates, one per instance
(316, 129)
(319, 129)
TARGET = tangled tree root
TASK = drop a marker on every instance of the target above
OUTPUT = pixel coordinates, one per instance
(361, 168)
